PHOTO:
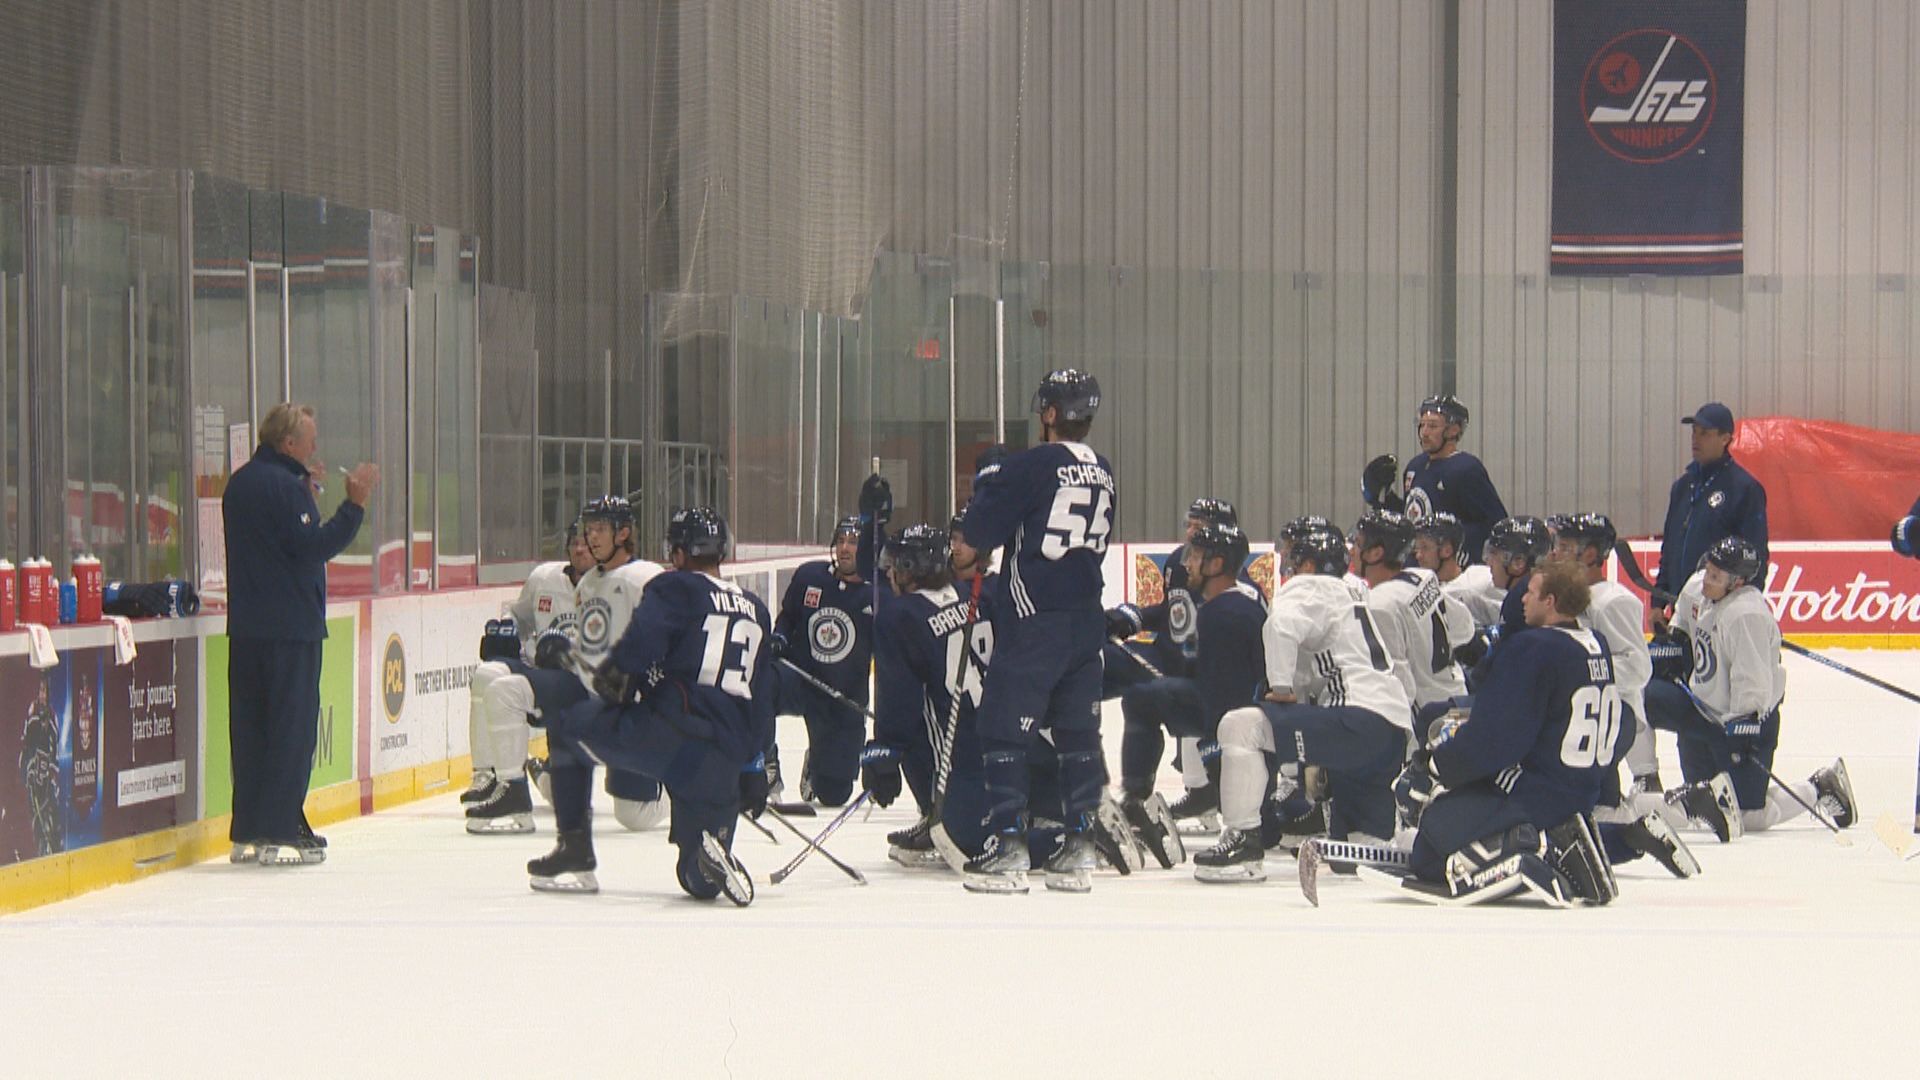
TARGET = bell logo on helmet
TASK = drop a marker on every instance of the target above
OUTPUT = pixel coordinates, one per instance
(1648, 96)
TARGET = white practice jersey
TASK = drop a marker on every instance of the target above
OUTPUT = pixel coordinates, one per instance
(546, 602)
(605, 603)
(1420, 629)
(1474, 590)
(1321, 641)
(1617, 615)
(1736, 651)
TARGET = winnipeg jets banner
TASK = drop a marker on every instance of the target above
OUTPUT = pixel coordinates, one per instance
(1647, 114)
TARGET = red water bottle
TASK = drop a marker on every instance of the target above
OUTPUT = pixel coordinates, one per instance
(33, 592)
(87, 581)
(9, 597)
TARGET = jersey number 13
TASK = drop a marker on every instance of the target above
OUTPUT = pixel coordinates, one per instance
(722, 632)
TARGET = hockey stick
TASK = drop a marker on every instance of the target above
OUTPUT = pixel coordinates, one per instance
(1319, 850)
(1630, 566)
(824, 853)
(943, 761)
(1141, 660)
(764, 831)
(828, 690)
(813, 845)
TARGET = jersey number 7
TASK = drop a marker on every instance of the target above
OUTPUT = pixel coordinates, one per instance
(1081, 518)
(721, 631)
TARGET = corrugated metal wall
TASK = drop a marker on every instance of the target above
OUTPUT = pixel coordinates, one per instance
(1579, 384)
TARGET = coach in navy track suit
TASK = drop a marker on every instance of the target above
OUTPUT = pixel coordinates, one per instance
(277, 553)
(1714, 498)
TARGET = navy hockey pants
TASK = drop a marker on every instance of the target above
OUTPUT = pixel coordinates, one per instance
(1151, 709)
(836, 734)
(1045, 675)
(1361, 752)
(1703, 744)
(967, 809)
(556, 691)
(273, 718)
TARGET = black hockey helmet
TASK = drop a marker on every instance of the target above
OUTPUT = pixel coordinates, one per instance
(1447, 406)
(1442, 527)
(612, 509)
(1075, 393)
(849, 525)
(1225, 540)
(1213, 511)
(1520, 538)
(1738, 557)
(1384, 528)
(699, 531)
(1594, 531)
(1301, 526)
(920, 551)
(1324, 544)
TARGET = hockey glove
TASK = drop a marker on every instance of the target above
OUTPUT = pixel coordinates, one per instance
(1906, 533)
(1743, 736)
(876, 499)
(1123, 622)
(552, 650)
(1414, 789)
(779, 645)
(501, 641)
(880, 773)
(1476, 648)
(1376, 484)
(611, 685)
(753, 787)
(1672, 653)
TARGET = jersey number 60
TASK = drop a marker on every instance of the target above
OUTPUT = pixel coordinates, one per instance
(1593, 726)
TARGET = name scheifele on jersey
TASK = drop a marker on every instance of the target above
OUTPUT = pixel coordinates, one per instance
(1052, 507)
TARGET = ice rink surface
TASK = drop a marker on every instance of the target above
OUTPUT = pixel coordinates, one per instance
(420, 951)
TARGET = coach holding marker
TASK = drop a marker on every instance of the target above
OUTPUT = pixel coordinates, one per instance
(1714, 498)
(277, 552)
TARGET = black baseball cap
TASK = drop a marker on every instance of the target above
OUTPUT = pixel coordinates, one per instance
(1711, 415)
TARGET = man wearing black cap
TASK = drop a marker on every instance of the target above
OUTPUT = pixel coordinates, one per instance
(1714, 499)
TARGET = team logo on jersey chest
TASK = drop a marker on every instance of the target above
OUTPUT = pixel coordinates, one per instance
(596, 619)
(1648, 96)
(1180, 615)
(1419, 505)
(812, 597)
(1714, 500)
(831, 633)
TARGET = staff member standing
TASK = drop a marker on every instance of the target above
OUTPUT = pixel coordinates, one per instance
(1714, 499)
(277, 552)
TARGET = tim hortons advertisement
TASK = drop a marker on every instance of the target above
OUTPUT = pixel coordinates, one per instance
(1834, 587)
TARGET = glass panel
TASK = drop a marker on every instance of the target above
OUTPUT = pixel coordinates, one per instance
(268, 242)
(909, 343)
(13, 354)
(455, 543)
(389, 243)
(422, 406)
(221, 370)
(508, 529)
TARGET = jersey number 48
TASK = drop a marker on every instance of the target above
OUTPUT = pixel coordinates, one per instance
(1081, 518)
(1593, 726)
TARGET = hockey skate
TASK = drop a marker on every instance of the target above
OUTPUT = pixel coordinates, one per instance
(806, 776)
(1153, 822)
(508, 811)
(776, 787)
(1001, 867)
(1713, 804)
(1238, 858)
(536, 770)
(1198, 811)
(305, 851)
(1070, 868)
(568, 868)
(913, 847)
(1115, 841)
(1835, 793)
(1576, 854)
(724, 872)
(244, 853)
(1651, 835)
(484, 781)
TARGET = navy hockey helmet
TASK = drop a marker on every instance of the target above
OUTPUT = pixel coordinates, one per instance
(1442, 527)
(1738, 557)
(1521, 538)
(699, 531)
(1447, 406)
(1225, 540)
(1301, 526)
(850, 525)
(1075, 393)
(1213, 511)
(920, 551)
(612, 509)
(1324, 544)
(1594, 531)
(1387, 529)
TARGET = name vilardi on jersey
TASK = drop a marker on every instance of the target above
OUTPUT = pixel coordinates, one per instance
(731, 603)
(1648, 96)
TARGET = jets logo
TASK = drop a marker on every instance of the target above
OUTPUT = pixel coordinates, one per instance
(1714, 500)
(1419, 504)
(1180, 615)
(595, 620)
(831, 633)
(1648, 96)
(1705, 662)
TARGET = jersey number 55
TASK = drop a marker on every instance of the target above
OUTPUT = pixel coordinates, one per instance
(1081, 518)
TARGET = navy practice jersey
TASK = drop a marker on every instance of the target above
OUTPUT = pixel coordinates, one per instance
(829, 625)
(1546, 725)
(1052, 507)
(933, 650)
(1173, 620)
(703, 636)
(1232, 661)
(1459, 485)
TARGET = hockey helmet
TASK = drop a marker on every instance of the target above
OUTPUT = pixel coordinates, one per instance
(1520, 538)
(1384, 528)
(1075, 393)
(920, 551)
(612, 509)
(1213, 511)
(1448, 406)
(1324, 544)
(1738, 557)
(1594, 531)
(1441, 527)
(850, 525)
(1301, 526)
(1225, 540)
(699, 531)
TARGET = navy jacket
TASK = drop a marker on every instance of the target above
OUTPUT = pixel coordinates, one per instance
(1705, 507)
(277, 550)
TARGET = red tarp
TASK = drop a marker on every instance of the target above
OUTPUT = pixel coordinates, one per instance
(1829, 481)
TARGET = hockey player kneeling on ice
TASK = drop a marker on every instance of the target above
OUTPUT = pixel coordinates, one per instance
(1521, 776)
(1724, 706)
(1333, 702)
(1438, 541)
(570, 614)
(825, 628)
(685, 697)
(1418, 625)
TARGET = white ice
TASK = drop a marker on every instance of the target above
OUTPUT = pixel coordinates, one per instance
(419, 950)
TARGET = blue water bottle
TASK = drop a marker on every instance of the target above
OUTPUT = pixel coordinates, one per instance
(69, 602)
